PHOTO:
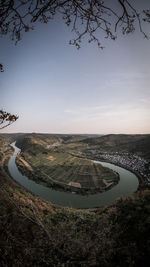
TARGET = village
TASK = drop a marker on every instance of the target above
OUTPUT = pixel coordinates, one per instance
(129, 161)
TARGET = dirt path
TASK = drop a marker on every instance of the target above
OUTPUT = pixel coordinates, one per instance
(51, 158)
(26, 164)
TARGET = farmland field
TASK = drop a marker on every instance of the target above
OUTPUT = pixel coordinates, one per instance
(53, 161)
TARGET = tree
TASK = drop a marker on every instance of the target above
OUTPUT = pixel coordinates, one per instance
(1, 68)
(89, 18)
(6, 119)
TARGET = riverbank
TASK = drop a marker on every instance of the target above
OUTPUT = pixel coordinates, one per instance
(127, 185)
(132, 162)
(35, 232)
(140, 177)
(37, 176)
(60, 170)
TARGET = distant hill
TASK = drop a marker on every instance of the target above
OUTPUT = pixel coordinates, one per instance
(139, 144)
(35, 139)
(25, 141)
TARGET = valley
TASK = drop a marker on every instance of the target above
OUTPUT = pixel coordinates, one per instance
(67, 162)
(35, 232)
(60, 163)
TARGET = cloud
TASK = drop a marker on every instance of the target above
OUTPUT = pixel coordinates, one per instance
(128, 81)
(70, 111)
(145, 101)
(88, 109)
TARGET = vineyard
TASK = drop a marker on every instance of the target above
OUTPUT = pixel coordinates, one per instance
(64, 164)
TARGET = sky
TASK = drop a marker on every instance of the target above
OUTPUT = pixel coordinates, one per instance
(55, 88)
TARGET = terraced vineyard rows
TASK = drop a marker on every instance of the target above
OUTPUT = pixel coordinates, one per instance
(59, 161)
(65, 168)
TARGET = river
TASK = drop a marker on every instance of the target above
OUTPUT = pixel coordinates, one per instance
(128, 184)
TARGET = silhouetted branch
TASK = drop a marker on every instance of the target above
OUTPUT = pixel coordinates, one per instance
(87, 18)
(6, 119)
(1, 68)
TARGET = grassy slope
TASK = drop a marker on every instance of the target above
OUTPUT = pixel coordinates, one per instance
(36, 233)
(59, 164)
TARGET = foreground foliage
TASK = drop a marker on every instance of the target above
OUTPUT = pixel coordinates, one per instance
(94, 19)
(36, 233)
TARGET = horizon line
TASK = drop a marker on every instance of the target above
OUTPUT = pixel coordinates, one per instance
(76, 133)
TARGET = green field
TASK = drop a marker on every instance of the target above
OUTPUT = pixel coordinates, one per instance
(62, 159)
(54, 159)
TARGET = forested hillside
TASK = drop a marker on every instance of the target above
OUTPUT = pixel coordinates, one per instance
(35, 233)
(139, 144)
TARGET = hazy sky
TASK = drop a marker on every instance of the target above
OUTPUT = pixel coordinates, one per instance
(55, 88)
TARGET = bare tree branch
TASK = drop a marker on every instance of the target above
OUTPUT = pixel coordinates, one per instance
(1, 68)
(6, 119)
(87, 18)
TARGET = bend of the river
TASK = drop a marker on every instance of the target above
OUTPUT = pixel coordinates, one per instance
(127, 185)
